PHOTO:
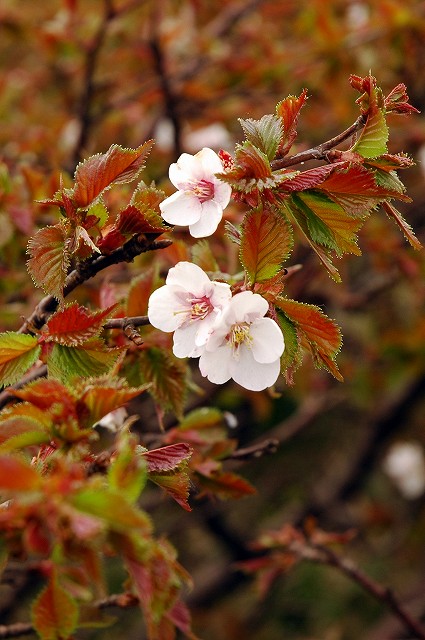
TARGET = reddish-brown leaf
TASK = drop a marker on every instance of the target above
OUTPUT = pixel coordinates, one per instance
(176, 484)
(320, 333)
(251, 169)
(307, 179)
(395, 215)
(54, 612)
(265, 244)
(133, 220)
(46, 392)
(289, 110)
(167, 458)
(16, 475)
(117, 165)
(75, 324)
(50, 259)
(223, 484)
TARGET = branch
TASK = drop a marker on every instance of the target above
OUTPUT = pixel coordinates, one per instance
(122, 323)
(132, 248)
(324, 555)
(255, 451)
(321, 151)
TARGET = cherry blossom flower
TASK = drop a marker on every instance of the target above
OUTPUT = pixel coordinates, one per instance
(188, 304)
(244, 345)
(201, 197)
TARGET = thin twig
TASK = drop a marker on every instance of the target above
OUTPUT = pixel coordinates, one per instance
(319, 152)
(324, 555)
(122, 323)
(255, 451)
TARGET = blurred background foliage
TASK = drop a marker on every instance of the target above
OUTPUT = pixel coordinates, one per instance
(76, 77)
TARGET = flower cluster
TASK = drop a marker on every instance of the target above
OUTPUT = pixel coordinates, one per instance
(231, 334)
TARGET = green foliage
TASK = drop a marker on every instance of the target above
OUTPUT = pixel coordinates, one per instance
(17, 353)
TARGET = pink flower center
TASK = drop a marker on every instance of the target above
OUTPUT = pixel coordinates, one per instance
(202, 189)
(201, 307)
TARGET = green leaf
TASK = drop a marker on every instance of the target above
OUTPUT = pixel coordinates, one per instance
(18, 352)
(127, 474)
(74, 324)
(374, 137)
(54, 612)
(265, 134)
(265, 244)
(99, 172)
(50, 259)
(389, 182)
(113, 508)
(328, 223)
(91, 359)
(22, 425)
(291, 355)
(25, 439)
(204, 418)
(99, 211)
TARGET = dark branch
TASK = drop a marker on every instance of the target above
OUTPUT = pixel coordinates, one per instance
(255, 451)
(326, 556)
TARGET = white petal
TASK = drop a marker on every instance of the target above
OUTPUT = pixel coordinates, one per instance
(184, 341)
(181, 208)
(190, 277)
(246, 307)
(209, 220)
(267, 340)
(253, 375)
(221, 294)
(218, 335)
(162, 307)
(186, 169)
(222, 192)
(204, 329)
(215, 365)
(209, 161)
